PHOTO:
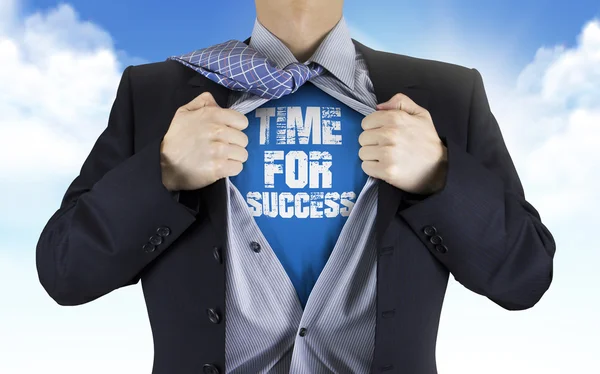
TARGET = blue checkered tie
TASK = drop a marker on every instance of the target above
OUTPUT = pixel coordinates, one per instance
(238, 67)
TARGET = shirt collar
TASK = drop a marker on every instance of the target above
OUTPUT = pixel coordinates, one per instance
(336, 53)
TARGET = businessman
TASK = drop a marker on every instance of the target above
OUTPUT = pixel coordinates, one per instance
(296, 203)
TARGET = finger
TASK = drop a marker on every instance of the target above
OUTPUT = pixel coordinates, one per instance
(380, 136)
(402, 102)
(231, 136)
(200, 101)
(230, 168)
(226, 116)
(370, 153)
(382, 118)
(233, 118)
(373, 120)
(372, 168)
(236, 153)
(368, 138)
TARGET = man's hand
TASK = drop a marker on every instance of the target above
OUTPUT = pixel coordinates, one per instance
(400, 145)
(204, 143)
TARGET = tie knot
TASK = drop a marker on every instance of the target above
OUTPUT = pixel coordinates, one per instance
(301, 73)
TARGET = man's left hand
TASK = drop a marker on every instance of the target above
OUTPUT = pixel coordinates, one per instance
(401, 146)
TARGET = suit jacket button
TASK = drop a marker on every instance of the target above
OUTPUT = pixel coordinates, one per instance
(441, 248)
(155, 240)
(210, 369)
(163, 231)
(217, 254)
(436, 239)
(429, 230)
(149, 247)
(213, 315)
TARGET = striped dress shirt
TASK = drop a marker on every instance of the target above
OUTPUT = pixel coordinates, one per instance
(267, 329)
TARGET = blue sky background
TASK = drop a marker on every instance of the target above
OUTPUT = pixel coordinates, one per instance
(162, 28)
(540, 60)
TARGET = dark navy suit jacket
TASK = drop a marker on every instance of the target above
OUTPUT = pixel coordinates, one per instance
(118, 224)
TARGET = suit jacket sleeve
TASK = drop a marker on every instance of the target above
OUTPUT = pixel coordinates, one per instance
(94, 242)
(496, 243)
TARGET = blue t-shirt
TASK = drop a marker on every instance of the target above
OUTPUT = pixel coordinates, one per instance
(302, 177)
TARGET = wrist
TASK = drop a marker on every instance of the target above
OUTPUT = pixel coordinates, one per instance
(441, 171)
(167, 171)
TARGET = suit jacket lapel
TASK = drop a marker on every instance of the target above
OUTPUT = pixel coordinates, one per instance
(389, 76)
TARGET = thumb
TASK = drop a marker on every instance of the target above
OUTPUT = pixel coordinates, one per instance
(200, 101)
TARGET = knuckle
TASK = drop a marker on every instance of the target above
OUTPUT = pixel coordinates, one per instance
(387, 153)
(207, 111)
(390, 134)
(205, 95)
(217, 131)
(213, 131)
(397, 116)
(201, 116)
(217, 149)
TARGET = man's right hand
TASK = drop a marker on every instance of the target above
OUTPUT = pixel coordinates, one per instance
(204, 143)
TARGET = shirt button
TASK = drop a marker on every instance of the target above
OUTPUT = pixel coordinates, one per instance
(149, 247)
(429, 230)
(155, 240)
(302, 332)
(255, 246)
(436, 239)
(163, 231)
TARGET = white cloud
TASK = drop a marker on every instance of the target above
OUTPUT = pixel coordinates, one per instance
(575, 74)
(58, 77)
(552, 120)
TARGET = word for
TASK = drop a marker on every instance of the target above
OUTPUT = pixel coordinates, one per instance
(299, 171)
